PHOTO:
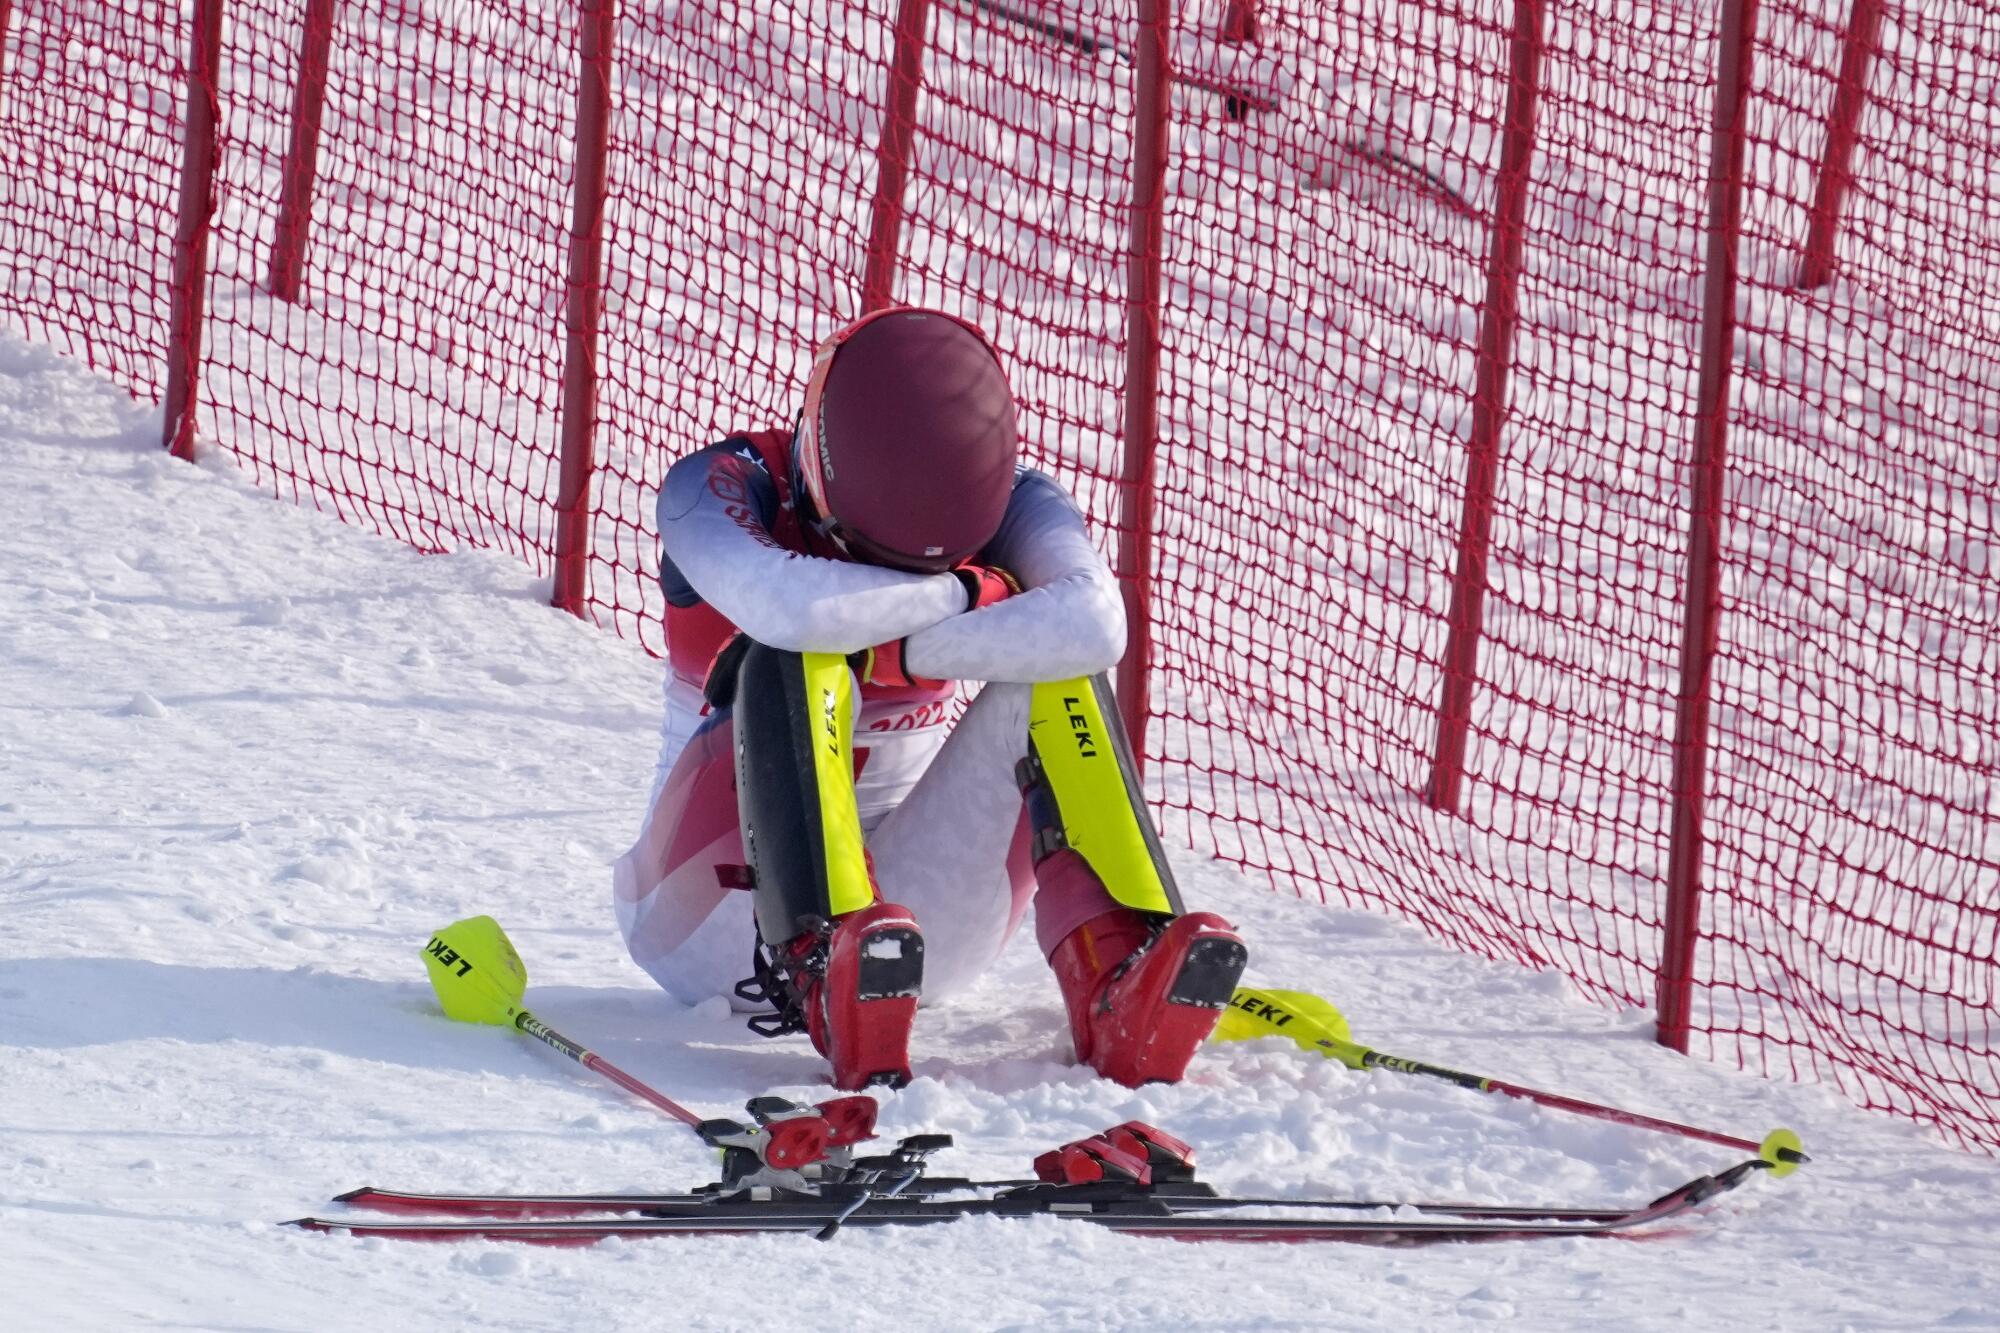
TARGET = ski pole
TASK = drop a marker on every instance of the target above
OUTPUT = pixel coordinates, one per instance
(1317, 1026)
(597, 1064)
(479, 978)
(1780, 1144)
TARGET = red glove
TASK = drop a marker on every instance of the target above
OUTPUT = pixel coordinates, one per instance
(986, 584)
(883, 665)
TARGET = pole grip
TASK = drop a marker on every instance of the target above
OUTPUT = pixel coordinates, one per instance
(547, 1035)
(597, 1064)
(1377, 1060)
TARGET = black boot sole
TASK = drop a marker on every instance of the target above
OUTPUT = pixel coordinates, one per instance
(888, 977)
(1209, 974)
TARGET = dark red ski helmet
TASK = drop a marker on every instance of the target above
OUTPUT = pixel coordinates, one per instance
(908, 439)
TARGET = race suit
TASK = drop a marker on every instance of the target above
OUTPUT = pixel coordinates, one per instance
(938, 777)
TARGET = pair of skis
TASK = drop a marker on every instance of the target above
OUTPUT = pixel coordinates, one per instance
(1132, 1179)
(793, 1168)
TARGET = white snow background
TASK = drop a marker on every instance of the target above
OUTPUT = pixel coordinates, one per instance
(250, 757)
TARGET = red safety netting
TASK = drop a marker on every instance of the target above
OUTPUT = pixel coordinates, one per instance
(738, 199)
(1326, 291)
(1320, 403)
(90, 130)
(1853, 916)
(413, 383)
(1320, 416)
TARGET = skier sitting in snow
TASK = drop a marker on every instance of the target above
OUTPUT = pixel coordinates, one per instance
(825, 590)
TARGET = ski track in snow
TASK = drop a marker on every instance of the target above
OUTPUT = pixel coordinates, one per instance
(250, 757)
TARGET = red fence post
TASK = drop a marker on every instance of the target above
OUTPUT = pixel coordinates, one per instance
(295, 190)
(1489, 404)
(190, 278)
(6, 14)
(1152, 105)
(1736, 42)
(1239, 28)
(892, 156)
(1843, 127)
(596, 39)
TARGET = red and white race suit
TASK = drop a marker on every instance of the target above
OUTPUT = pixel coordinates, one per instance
(935, 783)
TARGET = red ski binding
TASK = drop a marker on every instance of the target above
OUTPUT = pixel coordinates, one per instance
(1169, 1158)
(1134, 1153)
(1089, 1160)
(849, 1119)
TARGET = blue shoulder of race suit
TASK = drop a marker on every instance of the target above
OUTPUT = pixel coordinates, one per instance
(760, 491)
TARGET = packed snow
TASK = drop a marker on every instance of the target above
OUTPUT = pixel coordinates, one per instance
(250, 757)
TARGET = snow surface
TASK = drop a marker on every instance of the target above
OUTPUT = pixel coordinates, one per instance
(1853, 847)
(250, 757)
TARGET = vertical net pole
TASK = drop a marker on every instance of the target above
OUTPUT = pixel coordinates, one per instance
(295, 189)
(1843, 127)
(596, 37)
(197, 205)
(1489, 405)
(1239, 28)
(6, 22)
(1736, 44)
(1152, 105)
(892, 156)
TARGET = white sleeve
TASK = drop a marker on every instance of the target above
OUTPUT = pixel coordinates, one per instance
(713, 532)
(1068, 621)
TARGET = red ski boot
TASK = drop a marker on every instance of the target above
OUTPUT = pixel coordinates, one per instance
(1144, 992)
(854, 987)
